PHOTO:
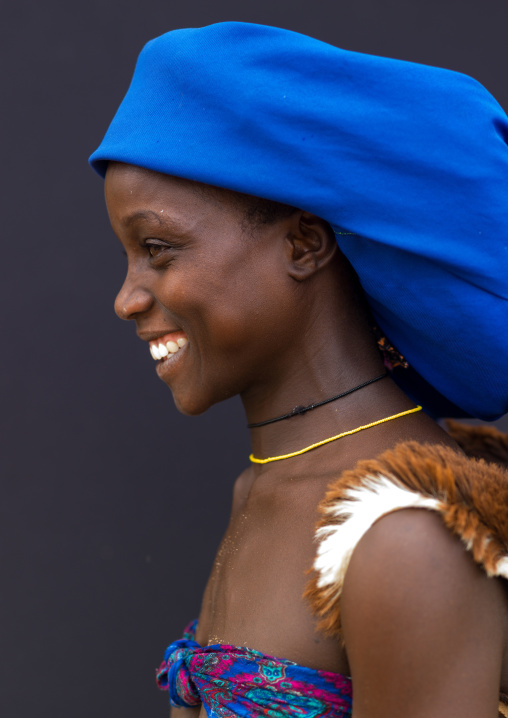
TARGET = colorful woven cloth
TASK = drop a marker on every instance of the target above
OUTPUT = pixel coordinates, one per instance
(232, 681)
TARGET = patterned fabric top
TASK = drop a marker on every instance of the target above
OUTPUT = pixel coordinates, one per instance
(233, 681)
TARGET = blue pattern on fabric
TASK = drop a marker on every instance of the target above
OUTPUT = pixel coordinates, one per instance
(233, 681)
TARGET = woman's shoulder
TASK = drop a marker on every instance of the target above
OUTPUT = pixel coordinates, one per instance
(411, 591)
(417, 613)
(470, 496)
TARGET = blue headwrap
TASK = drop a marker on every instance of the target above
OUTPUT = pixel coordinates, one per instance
(408, 163)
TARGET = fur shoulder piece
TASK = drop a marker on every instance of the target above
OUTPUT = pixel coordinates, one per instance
(480, 442)
(470, 494)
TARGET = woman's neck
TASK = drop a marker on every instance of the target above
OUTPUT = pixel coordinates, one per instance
(320, 366)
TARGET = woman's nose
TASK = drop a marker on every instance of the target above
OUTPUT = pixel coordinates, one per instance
(132, 299)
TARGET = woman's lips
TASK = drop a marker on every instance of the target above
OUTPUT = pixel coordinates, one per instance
(167, 345)
(167, 350)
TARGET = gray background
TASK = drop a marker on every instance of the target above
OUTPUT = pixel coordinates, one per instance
(112, 503)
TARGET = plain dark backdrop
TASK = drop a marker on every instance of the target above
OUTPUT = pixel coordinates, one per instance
(112, 503)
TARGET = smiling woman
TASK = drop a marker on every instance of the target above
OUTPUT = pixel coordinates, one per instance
(268, 229)
(189, 259)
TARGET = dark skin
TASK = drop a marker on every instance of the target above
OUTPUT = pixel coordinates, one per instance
(272, 313)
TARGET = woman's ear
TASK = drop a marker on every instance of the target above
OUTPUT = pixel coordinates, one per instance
(311, 245)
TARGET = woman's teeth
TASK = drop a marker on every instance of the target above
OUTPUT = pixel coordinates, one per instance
(161, 351)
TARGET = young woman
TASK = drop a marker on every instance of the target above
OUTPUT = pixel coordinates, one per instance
(276, 198)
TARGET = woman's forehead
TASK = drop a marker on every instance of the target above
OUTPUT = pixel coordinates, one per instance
(136, 194)
(132, 178)
(121, 176)
(131, 185)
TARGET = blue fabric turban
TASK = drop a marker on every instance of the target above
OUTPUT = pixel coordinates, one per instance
(408, 163)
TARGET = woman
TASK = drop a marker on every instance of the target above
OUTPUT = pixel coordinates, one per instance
(264, 185)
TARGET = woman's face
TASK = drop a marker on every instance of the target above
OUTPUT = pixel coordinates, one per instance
(209, 289)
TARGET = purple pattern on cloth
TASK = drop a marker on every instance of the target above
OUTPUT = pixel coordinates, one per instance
(232, 681)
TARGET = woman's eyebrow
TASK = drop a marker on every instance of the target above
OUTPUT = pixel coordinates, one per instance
(162, 219)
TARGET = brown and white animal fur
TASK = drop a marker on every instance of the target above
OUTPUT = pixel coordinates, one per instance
(470, 494)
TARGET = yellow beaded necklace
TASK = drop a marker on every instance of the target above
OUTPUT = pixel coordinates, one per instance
(333, 438)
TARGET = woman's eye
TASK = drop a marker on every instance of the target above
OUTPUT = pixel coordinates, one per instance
(155, 248)
(160, 252)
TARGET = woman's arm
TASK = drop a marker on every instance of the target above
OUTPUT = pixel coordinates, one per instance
(184, 712)
(424, 627)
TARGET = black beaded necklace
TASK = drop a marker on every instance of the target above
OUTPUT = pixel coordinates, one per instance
(298, 410)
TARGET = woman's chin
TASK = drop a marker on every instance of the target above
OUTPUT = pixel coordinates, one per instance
(189, 405)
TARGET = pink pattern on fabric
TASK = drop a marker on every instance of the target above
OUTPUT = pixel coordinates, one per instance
(232, 681)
